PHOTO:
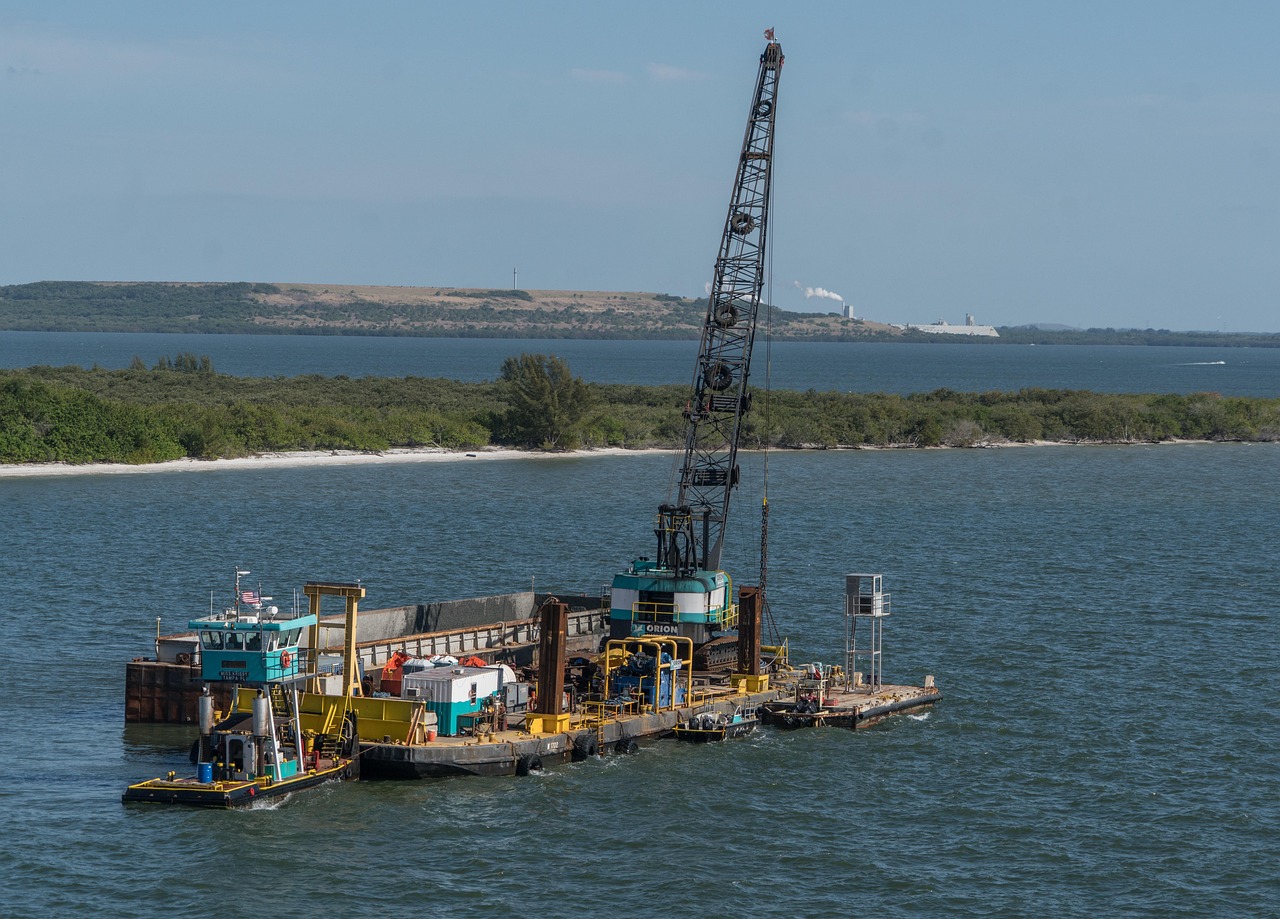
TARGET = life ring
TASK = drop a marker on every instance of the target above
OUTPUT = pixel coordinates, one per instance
(285, 660)
(184, 658)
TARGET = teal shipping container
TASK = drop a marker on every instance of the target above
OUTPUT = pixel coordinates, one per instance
(452, 691)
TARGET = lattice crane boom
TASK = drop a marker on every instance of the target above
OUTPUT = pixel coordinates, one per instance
(691, 531)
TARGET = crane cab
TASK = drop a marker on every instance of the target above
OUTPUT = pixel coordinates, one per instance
(650, 600)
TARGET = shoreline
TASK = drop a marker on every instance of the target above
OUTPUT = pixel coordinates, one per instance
(438, 454)
(301, 458)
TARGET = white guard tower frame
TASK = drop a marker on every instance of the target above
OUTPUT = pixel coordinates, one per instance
(864, 599)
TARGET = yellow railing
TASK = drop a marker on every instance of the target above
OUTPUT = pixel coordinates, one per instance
(650, 608)
(729, 618)
(646, 611)
(598, 712)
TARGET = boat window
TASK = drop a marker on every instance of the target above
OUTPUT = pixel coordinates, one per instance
(253, 641)
(212, 640)
(272, 639)
(233, 641)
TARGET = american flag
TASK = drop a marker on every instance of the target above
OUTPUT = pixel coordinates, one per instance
(250, 597)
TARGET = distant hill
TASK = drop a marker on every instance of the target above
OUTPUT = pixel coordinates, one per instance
(1044, 334)
(365, 310)
(454, 312)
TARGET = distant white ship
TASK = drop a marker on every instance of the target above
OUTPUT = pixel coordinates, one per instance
(942, 327)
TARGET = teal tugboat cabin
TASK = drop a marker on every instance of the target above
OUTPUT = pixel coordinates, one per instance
(251, 645)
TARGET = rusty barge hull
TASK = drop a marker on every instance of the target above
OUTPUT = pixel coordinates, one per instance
(515, 752)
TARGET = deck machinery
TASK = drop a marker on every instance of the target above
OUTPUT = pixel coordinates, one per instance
(681, 590)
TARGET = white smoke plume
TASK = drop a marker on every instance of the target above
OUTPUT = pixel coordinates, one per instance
(811, 292)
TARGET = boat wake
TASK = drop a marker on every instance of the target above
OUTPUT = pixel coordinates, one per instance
(1204, 363)
(924, 716)
(267, 804)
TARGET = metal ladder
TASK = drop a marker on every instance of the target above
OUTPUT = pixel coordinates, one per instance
(595, 718)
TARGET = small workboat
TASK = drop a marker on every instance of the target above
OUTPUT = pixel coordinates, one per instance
(259, 749)
(711, 725)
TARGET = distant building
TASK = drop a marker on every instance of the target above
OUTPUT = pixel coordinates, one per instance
(942, 327)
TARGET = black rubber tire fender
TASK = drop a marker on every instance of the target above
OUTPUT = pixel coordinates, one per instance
(585, 747)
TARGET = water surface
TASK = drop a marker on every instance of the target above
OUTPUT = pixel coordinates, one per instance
(1102, 621)
(824, 366)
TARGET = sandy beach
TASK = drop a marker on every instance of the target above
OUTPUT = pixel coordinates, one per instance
(311, 458)
(437, 455)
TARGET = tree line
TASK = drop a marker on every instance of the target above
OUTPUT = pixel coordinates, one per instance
(182, 407)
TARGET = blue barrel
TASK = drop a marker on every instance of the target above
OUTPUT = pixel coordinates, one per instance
(204, 772)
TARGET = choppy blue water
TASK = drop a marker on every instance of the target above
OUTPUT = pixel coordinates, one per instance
(1102, 620)
(824, 366)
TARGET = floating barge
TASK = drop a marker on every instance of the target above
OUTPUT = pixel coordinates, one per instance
(847, 697)
(406, 719)
(520, 752)
(840, 708)
(645, 688)
(642, 688)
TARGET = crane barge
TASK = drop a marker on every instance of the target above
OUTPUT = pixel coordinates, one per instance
(667, 616)
(681, 590)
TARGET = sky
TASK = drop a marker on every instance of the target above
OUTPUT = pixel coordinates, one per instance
(1095, 164)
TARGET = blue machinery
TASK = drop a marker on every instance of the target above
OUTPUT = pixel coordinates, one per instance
(649, 674)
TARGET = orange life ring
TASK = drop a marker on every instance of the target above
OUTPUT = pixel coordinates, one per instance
(285, 659)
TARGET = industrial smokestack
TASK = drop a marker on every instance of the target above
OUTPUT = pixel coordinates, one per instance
(822, 292)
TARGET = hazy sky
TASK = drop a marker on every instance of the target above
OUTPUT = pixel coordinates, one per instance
(1095, 164)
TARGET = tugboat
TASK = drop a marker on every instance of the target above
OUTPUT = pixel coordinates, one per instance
(259, 749)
